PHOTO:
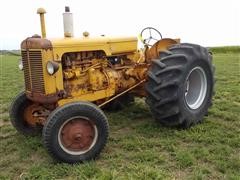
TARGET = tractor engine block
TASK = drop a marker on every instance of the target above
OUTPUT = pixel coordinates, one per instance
(86, 72)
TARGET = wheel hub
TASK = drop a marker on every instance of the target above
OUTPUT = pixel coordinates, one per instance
(77, 135)
(195, 88)
(33, 114)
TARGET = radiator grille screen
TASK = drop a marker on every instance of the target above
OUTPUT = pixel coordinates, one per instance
(33, 71)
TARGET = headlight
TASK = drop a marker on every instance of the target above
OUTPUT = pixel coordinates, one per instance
(20, 64)
(52, 67)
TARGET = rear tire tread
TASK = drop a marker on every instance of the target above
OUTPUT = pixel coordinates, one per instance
(162, 83)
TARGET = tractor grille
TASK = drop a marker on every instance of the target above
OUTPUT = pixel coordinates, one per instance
(33, 71)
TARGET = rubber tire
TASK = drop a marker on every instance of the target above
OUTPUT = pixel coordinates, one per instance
(165, 85)
(16, 116)
(119, 103)
(59, 116)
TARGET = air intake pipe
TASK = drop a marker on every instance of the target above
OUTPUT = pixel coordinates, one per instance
(68, 22)
(41, 12)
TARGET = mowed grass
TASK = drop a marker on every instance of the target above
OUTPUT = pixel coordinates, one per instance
(138, 148)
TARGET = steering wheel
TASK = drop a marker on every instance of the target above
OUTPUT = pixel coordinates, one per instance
(150, 35)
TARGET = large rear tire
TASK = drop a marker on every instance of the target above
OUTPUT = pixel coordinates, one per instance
(180, 85)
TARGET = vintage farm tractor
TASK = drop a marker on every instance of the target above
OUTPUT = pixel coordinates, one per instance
(69, 80)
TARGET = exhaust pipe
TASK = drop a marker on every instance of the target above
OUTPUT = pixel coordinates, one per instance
(68, 22)
(41, 12)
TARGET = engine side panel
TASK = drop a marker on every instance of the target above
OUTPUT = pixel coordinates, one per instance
(111, 46)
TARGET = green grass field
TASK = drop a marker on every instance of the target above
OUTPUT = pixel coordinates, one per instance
(138, 148)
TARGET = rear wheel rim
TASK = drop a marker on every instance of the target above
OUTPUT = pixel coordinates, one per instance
(195, 88)
(77, 135)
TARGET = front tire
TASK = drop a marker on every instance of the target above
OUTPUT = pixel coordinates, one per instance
(21, 116)
(76, 132)
(180, 85)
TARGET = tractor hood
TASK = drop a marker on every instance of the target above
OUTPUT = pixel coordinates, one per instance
(110, 45)
(87, 41)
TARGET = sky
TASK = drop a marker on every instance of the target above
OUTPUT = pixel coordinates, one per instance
(205, 22)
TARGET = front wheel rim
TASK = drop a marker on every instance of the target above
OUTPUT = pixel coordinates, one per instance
(77, 135)
(195, 88)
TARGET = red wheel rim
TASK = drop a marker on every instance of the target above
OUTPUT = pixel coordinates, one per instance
(77, 135)
(28, 114)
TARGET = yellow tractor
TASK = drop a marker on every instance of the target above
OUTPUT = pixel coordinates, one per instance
(70, 81)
